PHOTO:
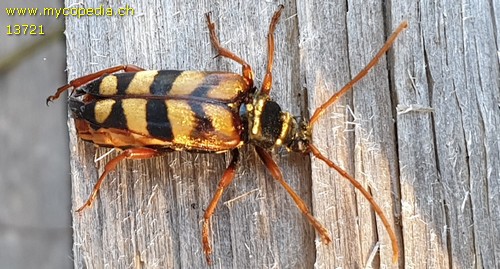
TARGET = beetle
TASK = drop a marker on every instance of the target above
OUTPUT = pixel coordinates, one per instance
(147, 113)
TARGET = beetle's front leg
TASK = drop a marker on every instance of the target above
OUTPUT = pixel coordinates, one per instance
(88, 78)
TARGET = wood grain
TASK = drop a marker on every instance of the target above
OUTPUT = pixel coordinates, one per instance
(421, 132)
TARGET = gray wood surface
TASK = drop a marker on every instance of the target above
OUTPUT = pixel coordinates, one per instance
(421, 132)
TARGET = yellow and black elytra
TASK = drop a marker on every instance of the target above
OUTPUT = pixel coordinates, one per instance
(148, 113)
(180, 110)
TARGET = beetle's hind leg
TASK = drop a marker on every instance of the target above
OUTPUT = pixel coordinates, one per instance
(227, 178)
(88, 78)
(133, 153)
(221, 51)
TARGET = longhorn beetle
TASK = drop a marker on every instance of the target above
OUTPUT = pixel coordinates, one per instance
(147, 113)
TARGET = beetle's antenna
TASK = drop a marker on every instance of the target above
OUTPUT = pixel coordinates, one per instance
(368, 197)
(319, 111)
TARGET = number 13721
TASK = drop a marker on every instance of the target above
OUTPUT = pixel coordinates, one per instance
(25, 29)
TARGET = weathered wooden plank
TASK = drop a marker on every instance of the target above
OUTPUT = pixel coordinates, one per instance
(359, 134)
(148, 212)
(438, 227)
(447, 179)
(420, 131)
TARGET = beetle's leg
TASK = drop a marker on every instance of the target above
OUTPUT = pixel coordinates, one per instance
(227, 178)
(221, 51)
(88, 78)
(133, 153)
(267, 83)
(275, 171)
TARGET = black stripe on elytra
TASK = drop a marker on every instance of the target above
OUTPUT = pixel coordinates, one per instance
(157, 117)
(92, 88)
(209, 82)
(84, 111)
(203, 121)
(163, 82)
(116, 118)
(123, 81)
